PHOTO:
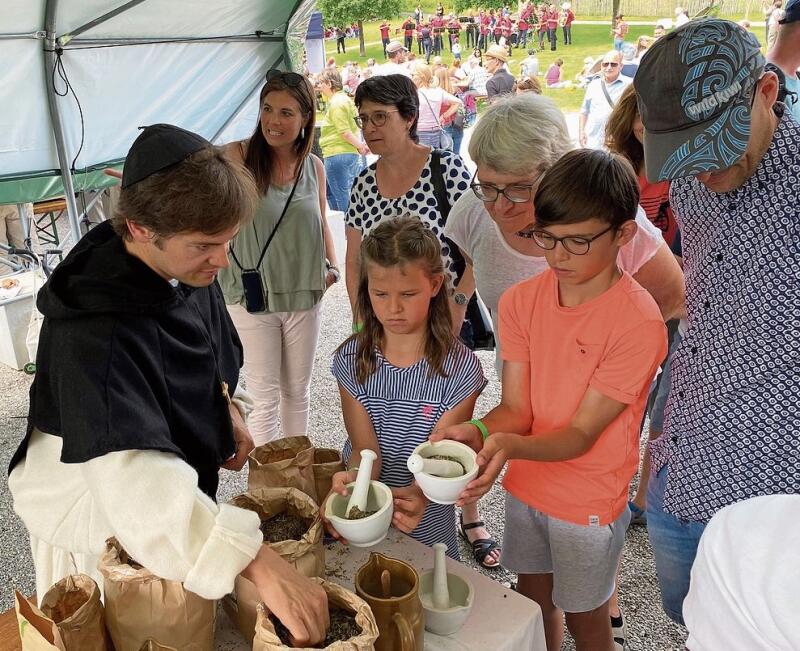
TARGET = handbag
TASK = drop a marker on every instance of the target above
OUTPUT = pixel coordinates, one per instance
(445, 140)
(255, 294)
(477, 332)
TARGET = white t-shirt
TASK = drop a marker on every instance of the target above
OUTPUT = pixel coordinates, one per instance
(391, 68)
(430, 107)
(497, 266)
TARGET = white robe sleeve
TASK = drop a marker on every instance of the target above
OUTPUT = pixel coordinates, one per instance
(148, 500)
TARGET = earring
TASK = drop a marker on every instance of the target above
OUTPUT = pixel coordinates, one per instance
(302, 132)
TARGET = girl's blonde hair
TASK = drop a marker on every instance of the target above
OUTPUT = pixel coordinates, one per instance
(402, 242)
(443, 78)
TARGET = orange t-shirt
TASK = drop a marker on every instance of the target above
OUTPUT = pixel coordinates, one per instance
(613, 343)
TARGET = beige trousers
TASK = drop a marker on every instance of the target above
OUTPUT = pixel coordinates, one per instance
(279, 350)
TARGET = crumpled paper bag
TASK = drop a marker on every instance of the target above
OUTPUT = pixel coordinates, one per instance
(327, 462)
(283, 463)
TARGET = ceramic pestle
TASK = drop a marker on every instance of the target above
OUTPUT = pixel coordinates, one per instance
(436, 467)
(441, 593)
(358, 498)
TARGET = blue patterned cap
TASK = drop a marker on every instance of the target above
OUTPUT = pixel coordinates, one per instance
(792, 12)
(695, 90)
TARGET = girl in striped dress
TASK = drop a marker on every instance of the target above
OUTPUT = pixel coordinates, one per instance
(405, 372)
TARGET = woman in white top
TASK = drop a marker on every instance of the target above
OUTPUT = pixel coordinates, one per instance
(516, 140)
(431, 100)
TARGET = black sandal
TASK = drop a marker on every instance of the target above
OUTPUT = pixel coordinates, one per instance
(481, 547)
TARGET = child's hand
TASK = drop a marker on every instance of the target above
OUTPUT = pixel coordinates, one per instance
(338, 485)
(465, 433)
(497, 449)
(409, 507)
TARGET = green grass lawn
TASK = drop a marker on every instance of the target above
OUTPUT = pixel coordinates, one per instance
(588, 40)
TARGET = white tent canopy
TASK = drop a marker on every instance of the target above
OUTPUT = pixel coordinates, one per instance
(78, 78)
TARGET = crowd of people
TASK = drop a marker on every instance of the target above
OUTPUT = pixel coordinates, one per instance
(653, 244)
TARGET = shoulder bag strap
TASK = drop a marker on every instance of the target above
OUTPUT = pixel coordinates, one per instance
(438, 123)
(443, 206)
(274, 230)
(605, 92)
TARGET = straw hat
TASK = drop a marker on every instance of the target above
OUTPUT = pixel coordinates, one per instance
(497, 52)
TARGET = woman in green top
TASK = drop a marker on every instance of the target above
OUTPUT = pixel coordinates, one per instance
(340, 145)
(285, 250)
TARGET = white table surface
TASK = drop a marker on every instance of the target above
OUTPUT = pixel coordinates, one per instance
(500, 619)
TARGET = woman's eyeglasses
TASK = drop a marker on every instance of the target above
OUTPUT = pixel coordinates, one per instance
(489, 193)
(574, 245)
(289, 78)
(378, 118)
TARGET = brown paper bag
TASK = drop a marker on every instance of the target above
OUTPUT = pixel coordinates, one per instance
(327, 463)
(141, 606)
(70, 618)
(307, 555)
(338, 597)
(283, 463)
(152, 645)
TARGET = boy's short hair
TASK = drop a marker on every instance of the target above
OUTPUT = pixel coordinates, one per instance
(585, 184)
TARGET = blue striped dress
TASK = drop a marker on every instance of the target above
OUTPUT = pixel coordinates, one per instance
(404, 405)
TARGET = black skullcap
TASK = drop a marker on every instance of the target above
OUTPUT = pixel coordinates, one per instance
(158, 147)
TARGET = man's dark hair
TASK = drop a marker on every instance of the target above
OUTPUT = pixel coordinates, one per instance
(206, 193)
(586, 184)
(392, 90)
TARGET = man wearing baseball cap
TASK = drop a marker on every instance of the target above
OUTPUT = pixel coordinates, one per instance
(396, 65)
(785, 54)
(136, 402)
(713, 127)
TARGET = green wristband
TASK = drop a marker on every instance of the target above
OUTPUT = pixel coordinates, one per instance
(357, 327)
(481, 428)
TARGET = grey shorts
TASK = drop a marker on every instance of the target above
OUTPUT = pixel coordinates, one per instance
(582, 559)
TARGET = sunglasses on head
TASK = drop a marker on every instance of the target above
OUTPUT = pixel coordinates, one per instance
(289, 78)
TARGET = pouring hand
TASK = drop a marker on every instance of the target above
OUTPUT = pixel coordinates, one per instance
(409, 507)
(300, 604)
(465, 433)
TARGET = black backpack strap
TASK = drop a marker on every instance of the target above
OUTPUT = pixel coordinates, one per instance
(443, 205)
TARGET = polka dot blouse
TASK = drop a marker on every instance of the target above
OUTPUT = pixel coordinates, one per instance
(368, 208)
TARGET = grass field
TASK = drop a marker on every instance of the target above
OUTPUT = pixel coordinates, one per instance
(588, 40)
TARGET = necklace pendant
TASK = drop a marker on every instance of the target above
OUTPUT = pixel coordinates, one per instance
(225, 393)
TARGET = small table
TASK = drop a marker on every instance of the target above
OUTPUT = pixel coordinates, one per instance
(500, 619)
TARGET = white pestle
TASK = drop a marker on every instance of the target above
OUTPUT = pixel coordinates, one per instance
(358, 497)
(436, 467)
(441, 593)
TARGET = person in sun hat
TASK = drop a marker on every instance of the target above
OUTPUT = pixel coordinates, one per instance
(785, 55)
(713, 127)
(136, 401)
(502, 81)
(396, 65)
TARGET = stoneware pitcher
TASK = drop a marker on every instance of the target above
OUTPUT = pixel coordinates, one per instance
(399, 615)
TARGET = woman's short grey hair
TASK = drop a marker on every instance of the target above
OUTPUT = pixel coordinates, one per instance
(520, 135)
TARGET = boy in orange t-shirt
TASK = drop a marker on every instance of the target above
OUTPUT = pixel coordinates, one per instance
(581, 344)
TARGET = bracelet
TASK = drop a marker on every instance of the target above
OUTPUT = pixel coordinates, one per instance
(481, 427)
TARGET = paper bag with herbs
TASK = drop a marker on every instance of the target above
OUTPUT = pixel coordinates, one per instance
(327, 463)
(353, 626)
(70, 617)
(283, 463)
(141, 606)
(292, 528)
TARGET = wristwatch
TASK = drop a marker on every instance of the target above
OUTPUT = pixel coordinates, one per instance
(460, 299)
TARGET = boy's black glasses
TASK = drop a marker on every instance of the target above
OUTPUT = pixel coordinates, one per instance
(575, 245)
(289, 78)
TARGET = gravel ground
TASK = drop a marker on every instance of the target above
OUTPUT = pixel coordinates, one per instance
(648, 627)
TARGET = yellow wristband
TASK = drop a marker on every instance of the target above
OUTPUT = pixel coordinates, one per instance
(481, 428)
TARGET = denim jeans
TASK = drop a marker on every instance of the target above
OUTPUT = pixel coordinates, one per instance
(618, 43)
(567, 29)
(430, 138)
(340, 169)
(674, 544)
(552, 36)
(457, 135)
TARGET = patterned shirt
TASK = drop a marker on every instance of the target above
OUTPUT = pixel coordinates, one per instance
(368, 207)
(404, 405)
(732, 421)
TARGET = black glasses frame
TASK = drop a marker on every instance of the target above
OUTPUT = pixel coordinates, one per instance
(586, 241)
(292, 79)
(476, 190)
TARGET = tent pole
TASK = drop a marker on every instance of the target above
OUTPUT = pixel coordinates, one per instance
(49, 45)
(66, 38)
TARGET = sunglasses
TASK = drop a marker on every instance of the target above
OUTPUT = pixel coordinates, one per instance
(289, 78)
(609, 64)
